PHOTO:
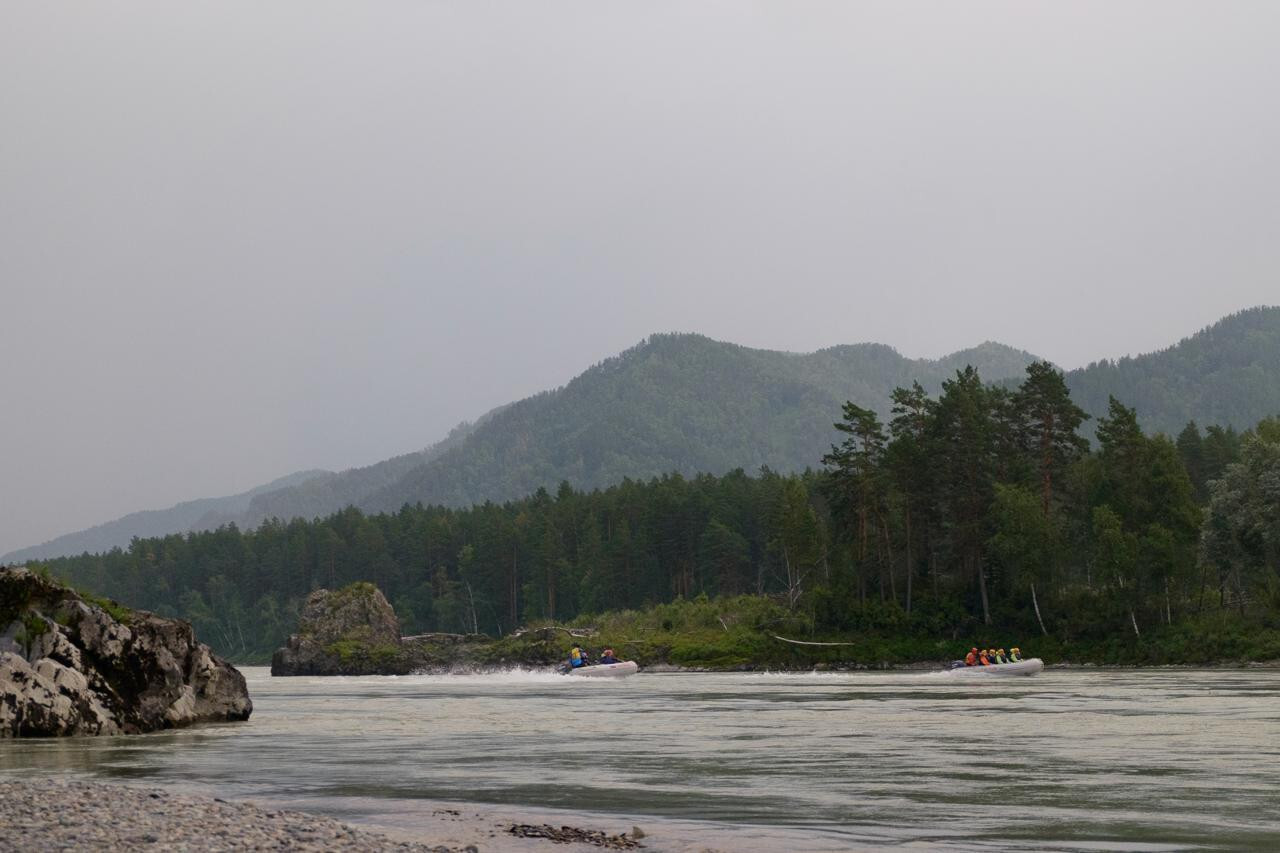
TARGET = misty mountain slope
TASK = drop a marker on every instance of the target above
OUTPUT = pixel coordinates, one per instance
(1228, 374)
(676, 403)
(995, 361)
(200, 514)
(323, 495)
(303, 495)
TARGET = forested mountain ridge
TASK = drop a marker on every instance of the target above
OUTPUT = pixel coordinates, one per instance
(673, 402)
(676, 403)
(683, 402)
(1227, 374)
(323, 495)
(690, 404)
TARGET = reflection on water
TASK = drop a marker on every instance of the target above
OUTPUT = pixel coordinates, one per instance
(1165, 759)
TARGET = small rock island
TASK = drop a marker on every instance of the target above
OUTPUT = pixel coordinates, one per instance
(74, 665)
(354, 631)
(350, 631)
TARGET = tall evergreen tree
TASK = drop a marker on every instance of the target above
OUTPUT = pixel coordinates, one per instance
(855, 482)
(964, 438)
(1048, 422)
(1191, 449)
(907, 458)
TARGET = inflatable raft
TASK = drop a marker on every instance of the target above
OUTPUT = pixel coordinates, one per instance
(606, 670)
(1023, 667)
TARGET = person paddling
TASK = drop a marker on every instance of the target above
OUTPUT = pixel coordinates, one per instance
(971, 659)
(607, 657)
(1015, 655)
(1000, 658)
(984, 659)
(577, 658)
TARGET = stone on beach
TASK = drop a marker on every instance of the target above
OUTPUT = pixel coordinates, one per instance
(573, 835)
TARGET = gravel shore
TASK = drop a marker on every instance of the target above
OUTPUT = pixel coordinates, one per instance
(56, 815)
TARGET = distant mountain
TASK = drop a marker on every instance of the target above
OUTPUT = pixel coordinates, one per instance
(306, 494)
(687, 403)
(1226, 374)
(201, 514)
(682, 402)
(674, 402)
(677, 403)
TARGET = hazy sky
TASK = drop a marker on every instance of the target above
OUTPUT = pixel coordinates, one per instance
(238, 239)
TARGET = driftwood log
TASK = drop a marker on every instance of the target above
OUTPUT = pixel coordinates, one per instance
(807, 643)
(572, 632)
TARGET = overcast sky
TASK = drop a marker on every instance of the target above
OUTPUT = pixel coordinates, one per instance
(239, 239)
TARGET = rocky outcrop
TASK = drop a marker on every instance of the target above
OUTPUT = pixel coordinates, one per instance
(350, 631)
(354, 631)
(71, 665)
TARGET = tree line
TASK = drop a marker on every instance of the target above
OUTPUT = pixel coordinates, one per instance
(980, 508)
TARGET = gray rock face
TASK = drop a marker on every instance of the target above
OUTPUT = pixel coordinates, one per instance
(70, 666)
(350, 631)
(354, 631)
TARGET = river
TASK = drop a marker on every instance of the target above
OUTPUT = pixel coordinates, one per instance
(1079, 759)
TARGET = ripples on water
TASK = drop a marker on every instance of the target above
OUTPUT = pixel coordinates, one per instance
(1154, 759)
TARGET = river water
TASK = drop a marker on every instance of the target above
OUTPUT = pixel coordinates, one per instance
(1074, 759)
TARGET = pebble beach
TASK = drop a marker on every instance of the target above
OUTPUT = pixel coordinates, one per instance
(55, 814)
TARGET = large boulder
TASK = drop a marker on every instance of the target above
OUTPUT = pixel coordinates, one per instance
(73, 665)
(350, 631)
(354, 631)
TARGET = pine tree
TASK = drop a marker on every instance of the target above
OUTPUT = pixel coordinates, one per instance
(1048, 422)
(964, 441)
(1191, 449)
(855, 482)
(908, 461)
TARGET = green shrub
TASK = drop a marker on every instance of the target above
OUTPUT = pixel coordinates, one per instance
(115, 610)
(33, 626)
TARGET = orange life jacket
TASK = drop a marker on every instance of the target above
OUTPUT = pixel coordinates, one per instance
(984, 660)
(971, 659)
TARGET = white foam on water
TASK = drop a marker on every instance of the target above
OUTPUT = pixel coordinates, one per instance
(514, 675)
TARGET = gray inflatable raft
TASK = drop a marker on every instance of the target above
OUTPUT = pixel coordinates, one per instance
(606, 670)
(1030, 666)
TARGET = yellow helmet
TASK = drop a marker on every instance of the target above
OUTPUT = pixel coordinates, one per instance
(1000, 652)
(1016, 649)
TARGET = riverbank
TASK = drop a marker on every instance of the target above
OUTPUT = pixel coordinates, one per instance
(750, 634)
(54, 814)
(914, 666)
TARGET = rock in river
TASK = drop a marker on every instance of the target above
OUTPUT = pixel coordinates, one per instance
(350, 631)
(73, 665)
(354, 631)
